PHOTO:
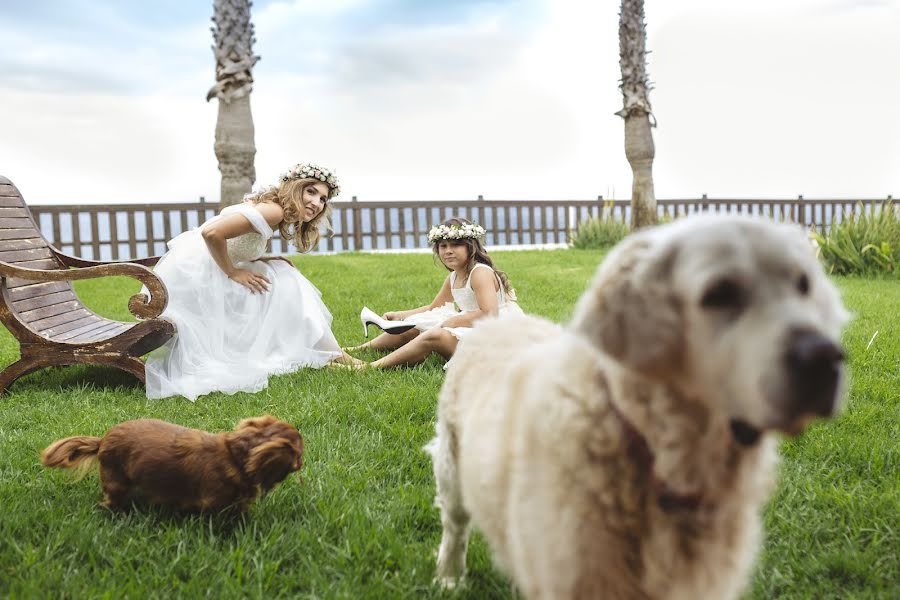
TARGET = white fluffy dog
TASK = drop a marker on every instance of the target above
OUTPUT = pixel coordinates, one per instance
(627, 454)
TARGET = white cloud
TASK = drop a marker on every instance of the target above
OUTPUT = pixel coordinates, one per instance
(758, 105)
(278, 17)
(767, 98)
(109, 149)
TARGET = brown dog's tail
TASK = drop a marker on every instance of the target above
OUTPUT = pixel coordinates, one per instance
(78, 452)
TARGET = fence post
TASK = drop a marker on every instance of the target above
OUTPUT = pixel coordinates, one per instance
(357, 224)
(600, 203)
(800, 212)
(473, 215)
(201, 214)
(704, 204)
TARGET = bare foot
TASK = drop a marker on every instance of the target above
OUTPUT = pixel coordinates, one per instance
(355, 348)
(346, 359)
(336, 364)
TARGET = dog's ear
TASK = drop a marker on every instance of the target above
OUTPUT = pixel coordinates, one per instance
(270, 462)
(630, 310)
(256, 422)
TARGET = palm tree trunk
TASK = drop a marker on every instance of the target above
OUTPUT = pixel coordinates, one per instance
(636, 111)
(235, 147)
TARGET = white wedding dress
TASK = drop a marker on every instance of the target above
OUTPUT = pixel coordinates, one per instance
(227, 338)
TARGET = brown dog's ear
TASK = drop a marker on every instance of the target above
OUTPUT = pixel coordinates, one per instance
(270, 462)
(630, 310)
(256, 422)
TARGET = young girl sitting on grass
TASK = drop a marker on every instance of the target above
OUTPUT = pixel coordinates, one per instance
(474, 289)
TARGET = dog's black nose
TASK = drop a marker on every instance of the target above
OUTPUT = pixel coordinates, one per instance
(814, 363)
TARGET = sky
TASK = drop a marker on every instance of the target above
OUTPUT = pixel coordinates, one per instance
(105, 101)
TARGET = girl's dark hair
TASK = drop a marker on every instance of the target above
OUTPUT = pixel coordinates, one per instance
(477, 254)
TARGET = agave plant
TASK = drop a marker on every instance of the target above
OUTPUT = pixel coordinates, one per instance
(863, 243)
(600, 232)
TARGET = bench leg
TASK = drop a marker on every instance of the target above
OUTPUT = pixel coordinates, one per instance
(24, 366)
(129, 364)
(19, 368)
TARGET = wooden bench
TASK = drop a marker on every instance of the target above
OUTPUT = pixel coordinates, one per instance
(39, 306)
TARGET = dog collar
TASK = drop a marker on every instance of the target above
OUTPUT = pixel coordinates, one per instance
(639, 450)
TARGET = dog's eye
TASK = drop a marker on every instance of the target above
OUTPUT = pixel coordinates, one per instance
(803, 284)
(725, 293)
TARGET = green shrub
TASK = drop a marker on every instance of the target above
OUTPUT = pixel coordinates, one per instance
(599, 233)
(863, 244)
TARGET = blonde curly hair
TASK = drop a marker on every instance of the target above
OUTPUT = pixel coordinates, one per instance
(289, 196)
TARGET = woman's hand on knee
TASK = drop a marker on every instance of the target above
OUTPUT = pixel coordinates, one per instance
(251, 280)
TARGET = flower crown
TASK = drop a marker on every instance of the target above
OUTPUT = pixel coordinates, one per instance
(311, 171)
(455, 232)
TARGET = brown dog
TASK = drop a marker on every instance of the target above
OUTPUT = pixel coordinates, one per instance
(186, 469)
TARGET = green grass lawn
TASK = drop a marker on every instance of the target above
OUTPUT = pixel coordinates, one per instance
(362, 524)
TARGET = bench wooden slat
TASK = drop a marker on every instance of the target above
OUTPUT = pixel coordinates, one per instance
(39, 314)
(23, 244)
(16, 223)
(38, 289)
(18, 234)
(12, 200)
(102, 333)
(41, 263)
(95, 333)
(70, 330)
(20, 256)
(44, 300)
(46, 326)
(17, 211)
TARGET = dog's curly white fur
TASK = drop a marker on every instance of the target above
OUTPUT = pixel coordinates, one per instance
(627, 454)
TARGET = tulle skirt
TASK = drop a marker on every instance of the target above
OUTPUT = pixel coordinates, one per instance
(229, 339)
(434, 317)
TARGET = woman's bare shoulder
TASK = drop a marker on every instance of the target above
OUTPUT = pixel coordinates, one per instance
(272, 212)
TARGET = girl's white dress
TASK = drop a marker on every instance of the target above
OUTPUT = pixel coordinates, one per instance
(229, 339)
(465, 299)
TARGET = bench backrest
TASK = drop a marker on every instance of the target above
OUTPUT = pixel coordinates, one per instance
(47, 309)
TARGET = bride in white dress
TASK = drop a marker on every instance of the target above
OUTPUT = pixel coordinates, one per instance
(241, 318)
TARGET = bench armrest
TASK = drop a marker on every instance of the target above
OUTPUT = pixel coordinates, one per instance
(139, 305)
(75, 261)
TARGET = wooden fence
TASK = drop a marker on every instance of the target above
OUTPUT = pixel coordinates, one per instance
(124, 231)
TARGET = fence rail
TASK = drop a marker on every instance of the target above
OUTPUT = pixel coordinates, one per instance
(125, 231)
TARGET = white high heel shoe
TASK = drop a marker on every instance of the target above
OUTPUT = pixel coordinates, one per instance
(368, 317)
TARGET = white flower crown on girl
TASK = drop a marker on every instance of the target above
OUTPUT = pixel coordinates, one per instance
(311, 171)
(455, 232)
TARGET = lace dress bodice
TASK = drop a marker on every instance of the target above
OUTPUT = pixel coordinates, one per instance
(248, 246)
